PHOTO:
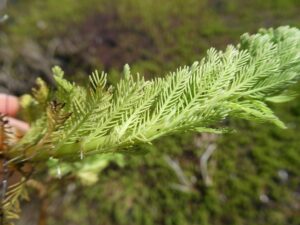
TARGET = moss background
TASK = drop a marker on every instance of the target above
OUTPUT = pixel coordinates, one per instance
(255, 171)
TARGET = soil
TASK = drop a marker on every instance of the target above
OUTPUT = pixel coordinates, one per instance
(103, 39)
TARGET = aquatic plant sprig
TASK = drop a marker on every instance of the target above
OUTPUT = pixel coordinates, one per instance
(98, 119)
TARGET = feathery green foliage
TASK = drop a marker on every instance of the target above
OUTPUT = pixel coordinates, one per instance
(101, 119)
(11, 202)
(73, 122)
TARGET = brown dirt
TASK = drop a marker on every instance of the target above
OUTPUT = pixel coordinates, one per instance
(104, 39)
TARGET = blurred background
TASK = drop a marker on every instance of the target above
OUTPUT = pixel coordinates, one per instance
(251, 177)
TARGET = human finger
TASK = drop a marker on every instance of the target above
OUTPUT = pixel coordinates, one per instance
(18, 124)
(9, 105)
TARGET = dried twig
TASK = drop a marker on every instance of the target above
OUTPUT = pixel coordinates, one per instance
(203, 164)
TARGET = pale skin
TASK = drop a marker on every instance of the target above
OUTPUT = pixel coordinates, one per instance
(9, 106)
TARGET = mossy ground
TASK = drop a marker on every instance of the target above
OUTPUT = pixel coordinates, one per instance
(255, 170)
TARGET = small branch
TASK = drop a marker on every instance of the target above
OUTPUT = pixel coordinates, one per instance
(185, 183)
(203, 164)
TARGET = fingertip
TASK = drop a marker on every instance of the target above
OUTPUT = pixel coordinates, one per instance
(9, 104)
(18, 124)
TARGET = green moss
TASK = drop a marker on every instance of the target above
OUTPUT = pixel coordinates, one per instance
(32, 18)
